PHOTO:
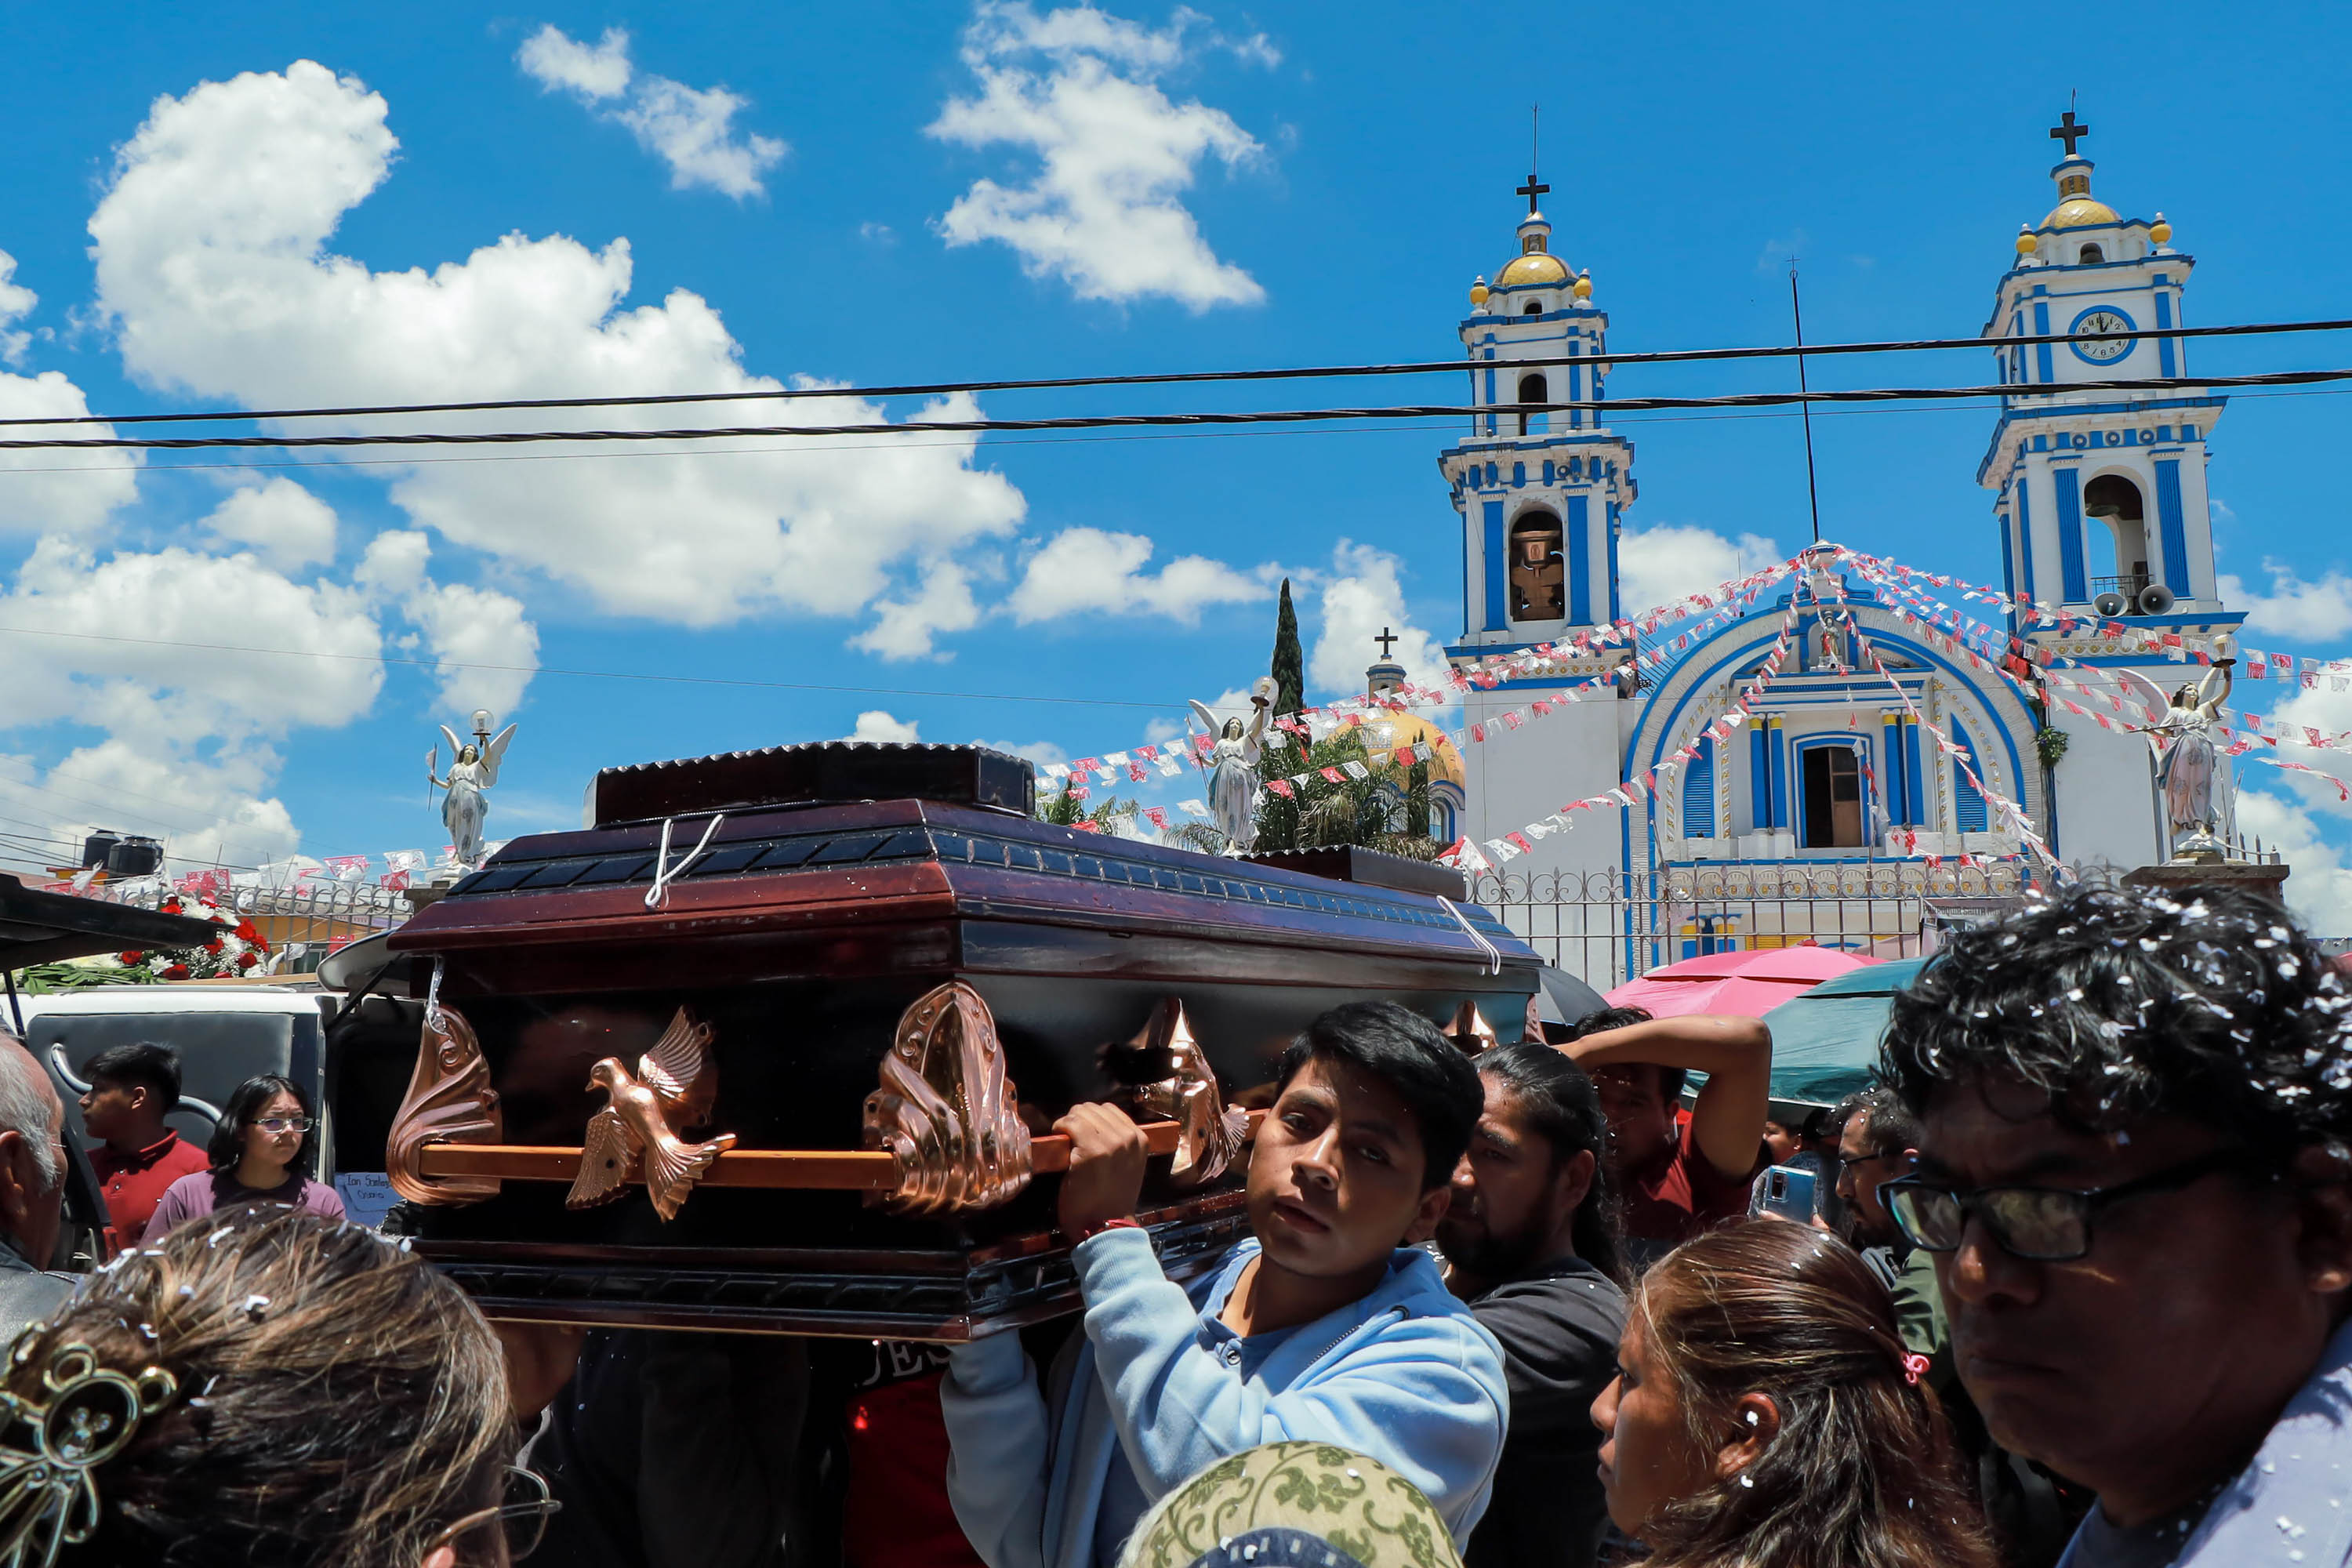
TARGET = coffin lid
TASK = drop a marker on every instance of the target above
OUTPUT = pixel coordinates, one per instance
(816, 773)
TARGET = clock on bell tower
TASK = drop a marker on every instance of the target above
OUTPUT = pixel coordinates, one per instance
(2101, 487)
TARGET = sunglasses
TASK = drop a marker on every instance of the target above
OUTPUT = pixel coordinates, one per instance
(285, 1123)
(2044, 1225)
(521, 1518)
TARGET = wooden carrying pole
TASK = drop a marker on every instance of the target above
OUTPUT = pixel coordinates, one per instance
(804, 1170)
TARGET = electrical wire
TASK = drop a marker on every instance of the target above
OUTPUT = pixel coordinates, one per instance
(1176, 378)
(2023, 390)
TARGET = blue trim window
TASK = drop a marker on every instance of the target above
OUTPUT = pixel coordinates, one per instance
(2075, 579)
(1968, 811)
(1698, 792)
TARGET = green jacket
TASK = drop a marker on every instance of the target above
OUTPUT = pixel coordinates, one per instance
(1919, 1318)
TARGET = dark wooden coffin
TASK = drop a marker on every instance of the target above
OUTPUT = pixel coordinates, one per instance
(855, 908)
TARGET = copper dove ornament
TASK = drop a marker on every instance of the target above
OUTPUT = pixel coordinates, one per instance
(673, 1086)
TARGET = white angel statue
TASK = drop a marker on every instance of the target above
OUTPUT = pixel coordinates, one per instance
(1233, 781)
(2180, 731)
(475, 768)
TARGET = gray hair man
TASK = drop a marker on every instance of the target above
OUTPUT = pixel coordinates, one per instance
(32, 1188)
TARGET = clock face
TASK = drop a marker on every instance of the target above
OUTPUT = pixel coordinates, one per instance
(2095, 337)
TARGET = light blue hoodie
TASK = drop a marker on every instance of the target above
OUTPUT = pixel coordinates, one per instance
(1404, 1374)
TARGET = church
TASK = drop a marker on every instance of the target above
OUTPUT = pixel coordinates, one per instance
(2099, 496)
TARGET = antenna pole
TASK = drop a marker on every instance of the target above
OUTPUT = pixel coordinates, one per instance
(1812, 486)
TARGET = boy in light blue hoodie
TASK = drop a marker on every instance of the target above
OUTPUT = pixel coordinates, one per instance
(1330, 1326)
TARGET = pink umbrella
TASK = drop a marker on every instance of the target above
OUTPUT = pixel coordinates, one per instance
(1752, 982)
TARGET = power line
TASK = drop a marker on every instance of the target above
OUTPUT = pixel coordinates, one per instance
(1389, 427)
(1168, 378)
(2015, 390)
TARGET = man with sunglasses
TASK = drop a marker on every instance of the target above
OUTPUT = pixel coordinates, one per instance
(2132, 1176)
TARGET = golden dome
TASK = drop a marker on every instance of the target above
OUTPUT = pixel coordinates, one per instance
(1536, 267)
(2076, 211)
(1391, 730)
(2161, 233)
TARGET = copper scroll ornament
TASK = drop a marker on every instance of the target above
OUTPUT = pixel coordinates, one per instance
(449, 1100)
(945, 1111)
(673, 1088)
(1208, 1135)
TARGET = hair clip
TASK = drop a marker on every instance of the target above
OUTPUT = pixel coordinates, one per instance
(87, 1415)
(1913, 1365)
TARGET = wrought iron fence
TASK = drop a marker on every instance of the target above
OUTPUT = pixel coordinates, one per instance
(1610, 926)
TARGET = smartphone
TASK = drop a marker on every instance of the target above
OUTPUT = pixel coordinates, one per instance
(1789, 1193)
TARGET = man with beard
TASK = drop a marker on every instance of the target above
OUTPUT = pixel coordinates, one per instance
(1531, 1235)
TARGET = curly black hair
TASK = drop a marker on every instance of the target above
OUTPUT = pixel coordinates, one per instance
(2120, 1001)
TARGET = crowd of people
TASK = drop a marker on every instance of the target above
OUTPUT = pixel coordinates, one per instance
(2075, 1288)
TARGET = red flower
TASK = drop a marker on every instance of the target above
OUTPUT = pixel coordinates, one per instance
(176, 972)
(247, 960)
(247, 932)
(169, 907)
(213, 946)
(129, 958)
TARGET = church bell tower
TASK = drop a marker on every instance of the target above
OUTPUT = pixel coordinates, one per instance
(2102, 502)
(1541, 493)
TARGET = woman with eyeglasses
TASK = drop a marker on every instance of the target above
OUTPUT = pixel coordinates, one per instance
(274, 1389)
(259, 1154)
(1768, 1415)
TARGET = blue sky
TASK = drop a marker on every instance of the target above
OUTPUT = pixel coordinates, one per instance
(934, 192)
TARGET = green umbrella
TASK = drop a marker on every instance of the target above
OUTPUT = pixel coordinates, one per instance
(1825, 1040)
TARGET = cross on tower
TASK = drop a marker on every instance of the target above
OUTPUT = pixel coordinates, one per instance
(1385, 639)
(2069, 132)
(1531, 190)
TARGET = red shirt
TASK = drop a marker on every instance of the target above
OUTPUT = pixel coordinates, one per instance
(895, 1514)
(1685, 1194)
(135, 1183)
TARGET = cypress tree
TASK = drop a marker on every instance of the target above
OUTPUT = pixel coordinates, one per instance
(1290, 669)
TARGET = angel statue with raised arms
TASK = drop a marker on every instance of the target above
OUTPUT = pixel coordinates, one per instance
(475, 768)
(1233, 781)
(2188, 764)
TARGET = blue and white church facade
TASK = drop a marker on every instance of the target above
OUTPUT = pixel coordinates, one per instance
(2099, 498)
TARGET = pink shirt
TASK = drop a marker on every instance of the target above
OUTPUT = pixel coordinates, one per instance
(203, 1192)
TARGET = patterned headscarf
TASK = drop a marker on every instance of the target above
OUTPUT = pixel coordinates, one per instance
(1293, 1505)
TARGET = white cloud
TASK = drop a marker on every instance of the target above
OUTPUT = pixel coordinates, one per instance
(1103, 211)
(877, 724)
(1659, 565)
(206, 810)
(45, 491)
(691, 130)
(1086, 569)
(161, 688)
(904, 629)
(213, 271)
(2320, 611)
(1361, 599)
(286, 524)
(553, 61)
(486, 650)
(15, 301)
(2319, 884)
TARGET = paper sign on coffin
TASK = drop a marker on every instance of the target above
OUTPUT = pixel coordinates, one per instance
(801, 1080)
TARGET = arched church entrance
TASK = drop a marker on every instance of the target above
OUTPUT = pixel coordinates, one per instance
(1830, 805)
